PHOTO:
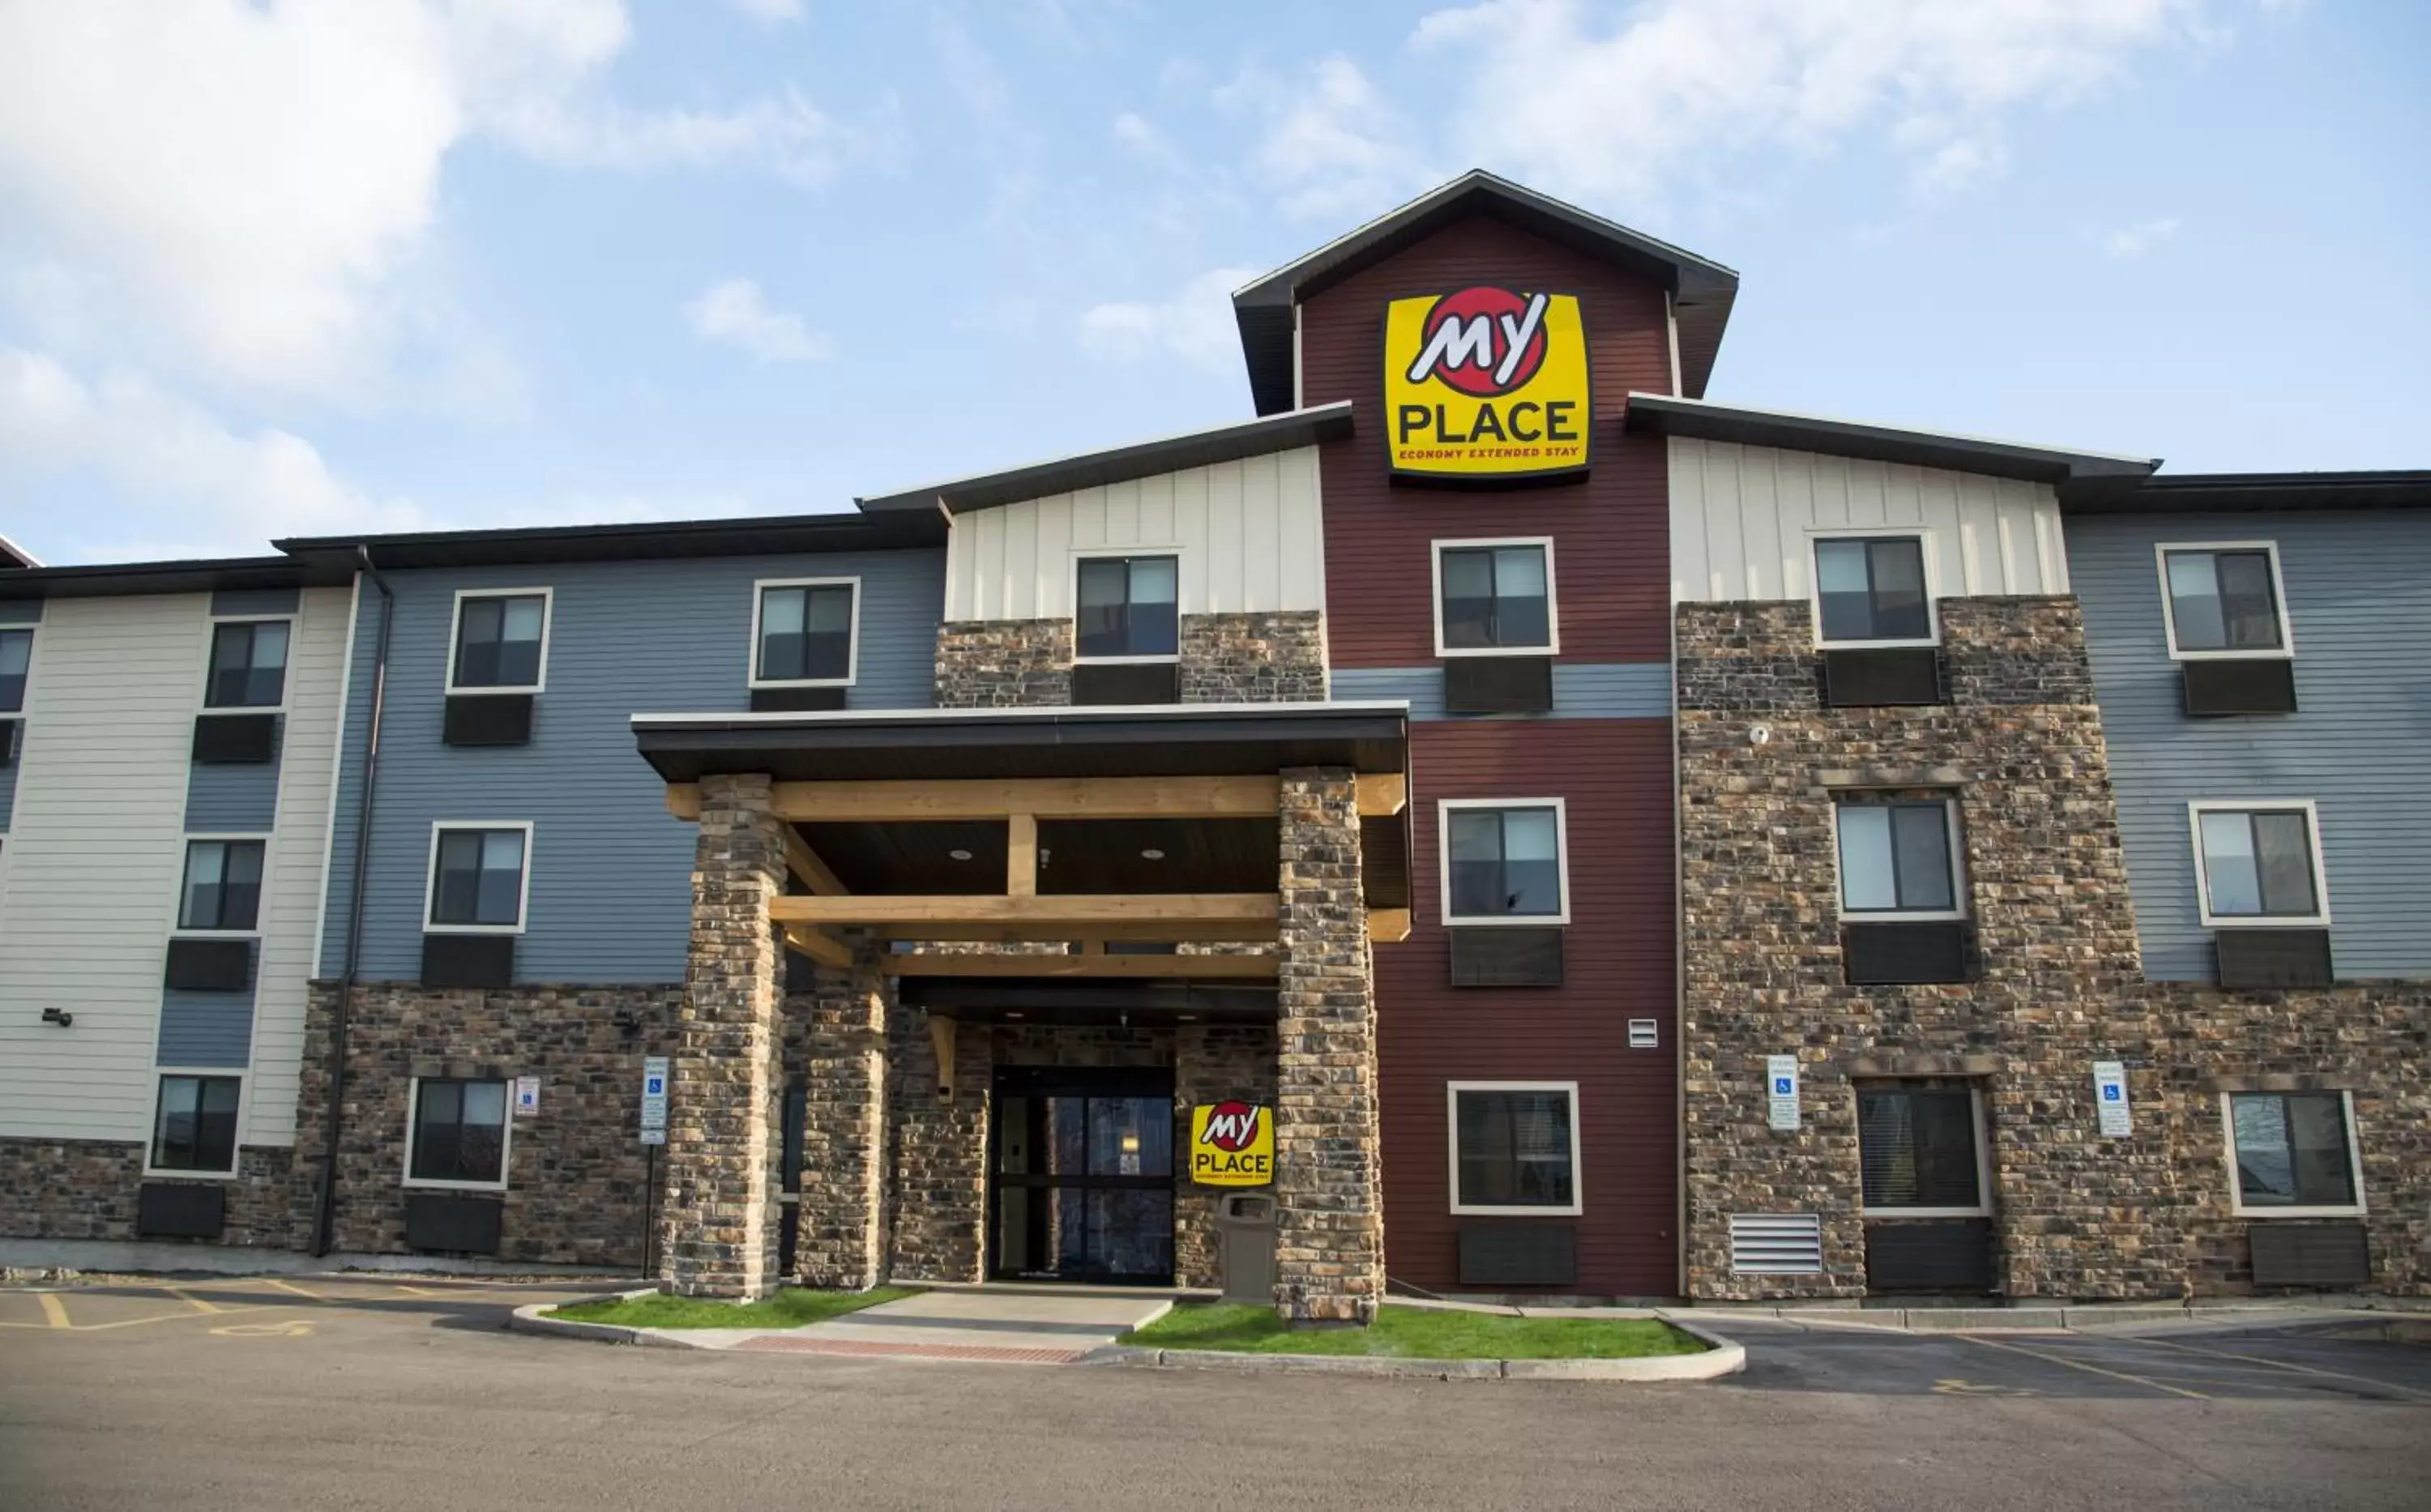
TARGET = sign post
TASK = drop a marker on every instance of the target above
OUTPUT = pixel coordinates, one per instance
(1781, 1092)
(654, 1134)
(2110, 1099)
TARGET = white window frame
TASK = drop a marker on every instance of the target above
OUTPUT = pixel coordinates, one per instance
(2236, 1203)
(1818, 534)
(1118, 553)
(506, 1139)
(1444, 808)
(1983, 1206)
(852, 654)
(1577, 1204)
(33, 669)
(430, 879)
(152, 1128)
(1552, 646)
(2318, 919)
(2284, 651)
(1956, 835)
(287, 675)
(177, 930)
(547, 629)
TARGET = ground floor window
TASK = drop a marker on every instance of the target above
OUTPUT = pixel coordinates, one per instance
(2294, 1153)
(460, 1134)
(1515, 1147)
(1921, 1151)
(195, 1126)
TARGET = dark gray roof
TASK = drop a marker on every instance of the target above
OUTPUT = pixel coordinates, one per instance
(1701, 290)
(1287, 431)
(200, 576)
(760, 536)
(2202, 492)
(2079, 475)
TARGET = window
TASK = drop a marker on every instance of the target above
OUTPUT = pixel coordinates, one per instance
(223, 886)
(1502, 861)
(1870, 590)
(1919, 1152)
(460, 1134)
(248, 665)
(1515, 1147)
(478, 876)
(16, 660)
(501, 641)
(1494, 595)
(195, 1126)
(1129, 607)
(2223, 600)
(2259, 863)
(2294, 1154)
(805, 632)
(1899, 860)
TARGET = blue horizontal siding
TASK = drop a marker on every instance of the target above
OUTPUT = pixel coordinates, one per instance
(1581, 690)
(611, 897)
(206, 1028)
(256, 600)
(2359, 608)
(232, 797)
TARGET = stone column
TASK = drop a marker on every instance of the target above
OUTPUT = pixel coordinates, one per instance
(837, 1219)
(1329, 1193)
(717, 1229)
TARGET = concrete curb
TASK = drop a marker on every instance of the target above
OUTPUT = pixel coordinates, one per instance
(529, 1319)
(2086, 1317)
(1721, 1357)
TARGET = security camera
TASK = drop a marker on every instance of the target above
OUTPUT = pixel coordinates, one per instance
(58, 1016)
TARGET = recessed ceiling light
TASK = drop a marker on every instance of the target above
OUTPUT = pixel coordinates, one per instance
(1151, 853)
(1186, 1018)
(960, 855)
(1012, 1015)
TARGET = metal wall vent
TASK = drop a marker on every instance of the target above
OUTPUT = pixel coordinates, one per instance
(1642, 1033)
(1776, 1244)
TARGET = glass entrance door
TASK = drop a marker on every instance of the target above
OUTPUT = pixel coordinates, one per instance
(1082, 1175)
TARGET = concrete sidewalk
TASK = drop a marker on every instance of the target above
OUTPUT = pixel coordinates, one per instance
(1022, 1327)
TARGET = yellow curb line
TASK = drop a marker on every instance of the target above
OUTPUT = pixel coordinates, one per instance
(2284, 1364)
(54, 1310)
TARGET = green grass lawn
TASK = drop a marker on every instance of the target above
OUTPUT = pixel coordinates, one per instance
(1419, 1332)
(789, 1308)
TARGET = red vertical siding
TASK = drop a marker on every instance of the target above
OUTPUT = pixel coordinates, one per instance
(1612, 567)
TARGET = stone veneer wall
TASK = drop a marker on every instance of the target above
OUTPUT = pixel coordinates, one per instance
(1003, 663)
(1210, 1063)
(936, 1192)
(1329, 1239)
(576, 1174)
(87, 1189)
(836, 1044)
(2059, 983)
(1275, 657)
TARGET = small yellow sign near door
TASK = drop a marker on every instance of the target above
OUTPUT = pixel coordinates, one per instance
(1232, 1144)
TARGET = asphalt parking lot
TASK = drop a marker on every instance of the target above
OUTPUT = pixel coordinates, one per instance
(404, 1392)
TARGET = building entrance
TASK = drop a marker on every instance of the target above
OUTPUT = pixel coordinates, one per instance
(1081, 1175)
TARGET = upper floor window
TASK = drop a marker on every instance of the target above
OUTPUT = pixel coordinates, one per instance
(2223, 599)
(1129, 607)
(501, 641)
(2294, 1154)
(1870, 590)
(1494, 595)
(479, 877)
(16, 661)
(248, 665)
(1899, 860)
(1515, 1147)
(1503, 862)
(2260, 863)
(194, 1127)
(458, 1134)
(223, 886)
(805, 632)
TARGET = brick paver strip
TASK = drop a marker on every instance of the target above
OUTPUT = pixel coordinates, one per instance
(924, 1351)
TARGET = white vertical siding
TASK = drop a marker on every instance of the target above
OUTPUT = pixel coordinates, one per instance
(1742, 521)
(1249, 533)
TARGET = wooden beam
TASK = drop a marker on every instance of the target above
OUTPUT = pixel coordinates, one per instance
(819, 946)
(1381, 794)
(804, 863)
(1045, 798)
(941, 1040)
(1154, 932)
(1388, 926)
(683, 800)
(1021, 855)
(1059, 909)
(1150, 967)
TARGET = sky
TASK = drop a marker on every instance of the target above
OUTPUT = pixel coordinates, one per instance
(276, 267)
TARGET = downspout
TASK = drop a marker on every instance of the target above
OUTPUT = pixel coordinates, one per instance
(325, 1216)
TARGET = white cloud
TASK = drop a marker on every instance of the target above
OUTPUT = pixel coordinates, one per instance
(1196, 325)
(1337, 146)
(1585, 101)
(2134, 240)
(734, 311)
(769, 12)
(1138, 136)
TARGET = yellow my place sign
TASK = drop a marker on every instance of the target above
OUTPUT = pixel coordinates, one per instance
(1232, 1144)
(1487, 383)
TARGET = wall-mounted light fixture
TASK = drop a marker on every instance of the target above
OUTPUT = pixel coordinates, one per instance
(58, 1016)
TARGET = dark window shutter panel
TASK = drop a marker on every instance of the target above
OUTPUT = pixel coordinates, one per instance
(1519, 1254)
(468, 960)
(1126, 683)
(1947, 1254)
(459, 1225)
(2239, 685)
(233, 739)
(1498, 684)
(1879, 955)
(2309, 1255)
(209, 965)
(180, 1210)
(2275, 958)
(1506, 955)
(488, 719)
(1882, 677)
(796, 700)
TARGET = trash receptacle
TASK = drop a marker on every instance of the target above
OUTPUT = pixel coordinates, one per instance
(1245, 1231)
